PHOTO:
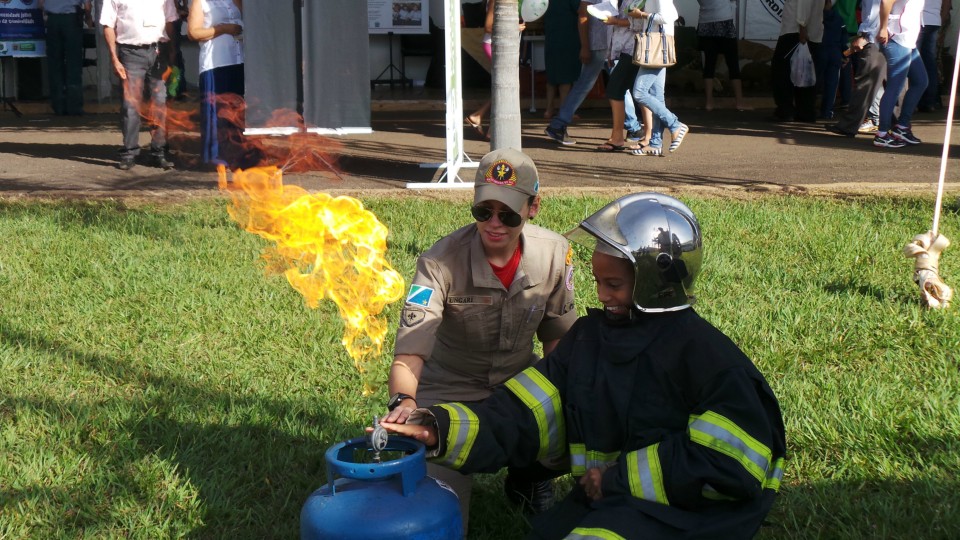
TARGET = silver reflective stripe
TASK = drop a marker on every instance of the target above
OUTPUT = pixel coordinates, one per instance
(774, 476)
(714, 431)
(578, 459)
(543, 400)
(464, 426)
(645, 475)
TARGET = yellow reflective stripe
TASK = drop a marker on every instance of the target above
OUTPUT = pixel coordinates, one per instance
(464, 426)
(646, 475)
(543, 400)
(578, 459)
(774, 476)
(718, 433)
(592, 533)
(582, 459)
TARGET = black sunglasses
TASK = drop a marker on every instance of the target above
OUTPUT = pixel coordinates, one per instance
(507, 217)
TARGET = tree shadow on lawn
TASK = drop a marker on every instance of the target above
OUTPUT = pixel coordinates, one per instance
(866, 509)
(851, 287)
(252, 476)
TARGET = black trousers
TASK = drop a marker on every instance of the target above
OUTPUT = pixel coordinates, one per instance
(870, 70)
(792, 103)
(65, 62)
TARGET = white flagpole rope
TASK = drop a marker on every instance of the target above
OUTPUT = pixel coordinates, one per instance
(946, 138)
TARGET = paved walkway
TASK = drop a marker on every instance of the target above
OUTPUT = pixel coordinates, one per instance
(726, 152)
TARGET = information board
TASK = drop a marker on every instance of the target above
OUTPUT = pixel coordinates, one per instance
(21, 29)
(398, 16)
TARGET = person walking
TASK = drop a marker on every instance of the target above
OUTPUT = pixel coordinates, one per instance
(899, 30)
(936, 15)
(802, 24)
(594, 43)
(648, 87)
(870, 70)
(716, 35)
(133, 30)
(218, 26)
(64, 20)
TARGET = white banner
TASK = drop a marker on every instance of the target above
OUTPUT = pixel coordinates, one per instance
(762, 19)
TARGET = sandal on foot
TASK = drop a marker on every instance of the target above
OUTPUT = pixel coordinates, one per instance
(678, 137)
(476, 127)
(610, 147)
(648, 151)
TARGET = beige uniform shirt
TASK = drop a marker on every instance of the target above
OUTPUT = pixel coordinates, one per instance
(474, 333)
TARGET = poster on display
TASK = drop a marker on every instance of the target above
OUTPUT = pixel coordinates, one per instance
(21, 29)
(398, 16)
(763, 20)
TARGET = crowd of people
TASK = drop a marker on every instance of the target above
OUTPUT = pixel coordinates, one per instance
(862, 50)
(876, 62)
(142, 37)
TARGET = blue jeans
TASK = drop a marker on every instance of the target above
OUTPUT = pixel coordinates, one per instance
(903, 65)
(581, 87)
(584, 83)
(927, 45)
(648, 92)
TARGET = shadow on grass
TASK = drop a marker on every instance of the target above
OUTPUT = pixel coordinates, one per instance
(866, 509)
(252, 476)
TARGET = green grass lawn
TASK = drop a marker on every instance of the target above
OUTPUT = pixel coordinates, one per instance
(155, 383)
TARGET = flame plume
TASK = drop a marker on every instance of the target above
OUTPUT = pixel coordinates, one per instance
(327, 247)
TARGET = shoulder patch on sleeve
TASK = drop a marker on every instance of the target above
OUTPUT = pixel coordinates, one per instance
(411, 316)
(419, 295)
(569, 280)
(569, 255)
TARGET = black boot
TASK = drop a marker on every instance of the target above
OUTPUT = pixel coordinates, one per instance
(532, 497)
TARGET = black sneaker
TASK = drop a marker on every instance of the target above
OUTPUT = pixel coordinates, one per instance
(835, 128)
(888, 141)
(163, 162)
(126, 164)
(634, 135)
(532, 497)
(559, 135)
(904, 134)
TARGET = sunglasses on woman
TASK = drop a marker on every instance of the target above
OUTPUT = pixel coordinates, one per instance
(507, 217)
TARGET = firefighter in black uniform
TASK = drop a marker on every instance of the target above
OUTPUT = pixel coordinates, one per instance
(670, 429)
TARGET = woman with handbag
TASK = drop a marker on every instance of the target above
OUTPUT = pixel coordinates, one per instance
(655, 50)
(620, 82)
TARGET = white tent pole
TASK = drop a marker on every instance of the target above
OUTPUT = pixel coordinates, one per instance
(946, 138)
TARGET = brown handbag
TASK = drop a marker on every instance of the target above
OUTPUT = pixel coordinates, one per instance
(654, 49)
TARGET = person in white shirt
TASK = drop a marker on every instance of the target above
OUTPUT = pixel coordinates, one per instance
(133, 30)
(936, 15)
(897, 36)
(218, 26)
(802, 23)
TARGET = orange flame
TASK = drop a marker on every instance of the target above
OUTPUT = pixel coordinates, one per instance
(326, 247)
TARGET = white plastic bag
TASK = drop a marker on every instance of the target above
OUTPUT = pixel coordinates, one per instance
(802, 72)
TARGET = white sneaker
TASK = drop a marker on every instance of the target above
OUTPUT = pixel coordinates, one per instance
(868, 126)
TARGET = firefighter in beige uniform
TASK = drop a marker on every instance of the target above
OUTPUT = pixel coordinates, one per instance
(478, 298)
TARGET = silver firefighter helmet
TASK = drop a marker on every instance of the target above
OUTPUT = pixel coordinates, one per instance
(660, 236)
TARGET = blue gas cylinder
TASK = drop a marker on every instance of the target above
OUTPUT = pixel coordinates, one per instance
(393, 499)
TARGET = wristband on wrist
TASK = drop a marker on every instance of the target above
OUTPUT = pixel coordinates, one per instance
(397, 399)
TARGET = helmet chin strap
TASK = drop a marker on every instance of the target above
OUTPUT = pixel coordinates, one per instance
(624, 319)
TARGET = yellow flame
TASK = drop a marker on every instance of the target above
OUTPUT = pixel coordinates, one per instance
(327, 247)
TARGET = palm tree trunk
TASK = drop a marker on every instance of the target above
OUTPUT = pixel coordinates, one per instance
(505, 114)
